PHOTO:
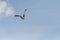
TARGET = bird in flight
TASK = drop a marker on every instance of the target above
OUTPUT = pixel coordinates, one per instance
(23, 16)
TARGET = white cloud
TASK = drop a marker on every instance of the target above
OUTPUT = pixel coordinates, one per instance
(6, 9)
(9, 11)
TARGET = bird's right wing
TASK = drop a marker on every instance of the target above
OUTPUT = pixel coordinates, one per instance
(25, 9)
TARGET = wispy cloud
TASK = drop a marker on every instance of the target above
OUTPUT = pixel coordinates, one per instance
(6, 9)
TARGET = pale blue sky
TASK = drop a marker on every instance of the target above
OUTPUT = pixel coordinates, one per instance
(42, 21)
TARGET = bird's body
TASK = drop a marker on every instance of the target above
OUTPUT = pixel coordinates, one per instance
(22, 17)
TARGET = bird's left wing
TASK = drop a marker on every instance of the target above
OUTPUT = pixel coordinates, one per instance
(17, 15)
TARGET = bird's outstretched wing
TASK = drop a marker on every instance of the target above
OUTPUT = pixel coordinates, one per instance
(17, 15)
(25, 9)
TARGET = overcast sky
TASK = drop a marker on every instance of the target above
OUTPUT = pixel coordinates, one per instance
(42, 20)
